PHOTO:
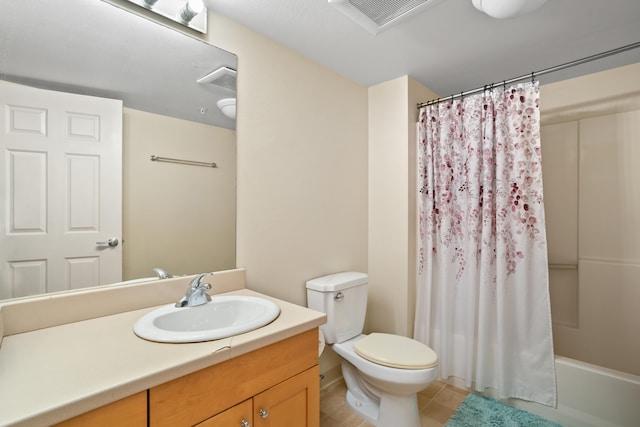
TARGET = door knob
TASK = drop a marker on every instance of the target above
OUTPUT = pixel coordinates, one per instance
(111, 242)
(245, 423)
(263, 413)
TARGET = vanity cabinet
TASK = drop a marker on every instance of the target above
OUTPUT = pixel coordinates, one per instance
(128, 412)
(288, 404)
(277, 385)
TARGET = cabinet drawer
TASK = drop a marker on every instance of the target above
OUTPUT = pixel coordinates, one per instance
(193, 398)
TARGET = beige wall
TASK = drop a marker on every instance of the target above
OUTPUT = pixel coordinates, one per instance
(177, 217)
(392, 219)
(302, 168)
(302, 165)
(591, 159)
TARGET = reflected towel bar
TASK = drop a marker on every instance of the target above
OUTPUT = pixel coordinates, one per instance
(182, 162)
(563, 266)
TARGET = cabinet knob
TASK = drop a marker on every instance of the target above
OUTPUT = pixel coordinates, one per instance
(245, 423)
(263, 413)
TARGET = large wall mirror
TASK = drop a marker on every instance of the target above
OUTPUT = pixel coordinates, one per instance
(177, 216)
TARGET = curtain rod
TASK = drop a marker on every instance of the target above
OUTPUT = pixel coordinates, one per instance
(534, 74)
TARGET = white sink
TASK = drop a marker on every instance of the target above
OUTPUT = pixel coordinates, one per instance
(223, 317)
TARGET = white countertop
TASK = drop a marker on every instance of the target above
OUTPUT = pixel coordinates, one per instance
(51, 374)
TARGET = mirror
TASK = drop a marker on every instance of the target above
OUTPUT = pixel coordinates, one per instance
(177, 217)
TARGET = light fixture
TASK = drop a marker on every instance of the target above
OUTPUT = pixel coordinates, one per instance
(190, 13)
(502, 9)
(228, 107)
(190, 10)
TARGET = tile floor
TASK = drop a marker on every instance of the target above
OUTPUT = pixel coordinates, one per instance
(437, 404)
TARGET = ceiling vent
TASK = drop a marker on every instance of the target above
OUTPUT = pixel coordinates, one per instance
(377, 15)
(223, 76)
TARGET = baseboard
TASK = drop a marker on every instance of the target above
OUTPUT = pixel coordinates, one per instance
(330, 377)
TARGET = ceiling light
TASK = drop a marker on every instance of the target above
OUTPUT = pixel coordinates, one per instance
(502, 9)
(228, 107)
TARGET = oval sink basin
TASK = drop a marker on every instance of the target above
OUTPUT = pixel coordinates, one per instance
(223, 317)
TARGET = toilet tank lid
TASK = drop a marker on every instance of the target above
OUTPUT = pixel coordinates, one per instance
(337, 281)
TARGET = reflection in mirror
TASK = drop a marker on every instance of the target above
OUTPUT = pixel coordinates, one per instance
(174, 216)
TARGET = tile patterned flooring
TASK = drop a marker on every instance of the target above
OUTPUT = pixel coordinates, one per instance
(437, 404)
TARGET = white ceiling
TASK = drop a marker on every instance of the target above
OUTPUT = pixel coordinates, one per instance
(450, 47)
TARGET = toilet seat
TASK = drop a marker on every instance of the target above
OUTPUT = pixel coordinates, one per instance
(395, 351)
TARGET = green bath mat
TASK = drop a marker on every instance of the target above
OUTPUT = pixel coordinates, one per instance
(481, 411)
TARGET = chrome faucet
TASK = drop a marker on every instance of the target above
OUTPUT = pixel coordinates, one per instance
(196, 293)
(162, 274)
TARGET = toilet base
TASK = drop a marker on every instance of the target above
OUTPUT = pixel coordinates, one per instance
(398, 411)
(365, 409)
(381, 409)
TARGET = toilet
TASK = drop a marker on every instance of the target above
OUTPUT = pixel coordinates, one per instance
(383, 372)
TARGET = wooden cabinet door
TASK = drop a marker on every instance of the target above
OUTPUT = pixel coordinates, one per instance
(292, 403)
(236, 416)
(196, 397)
(128, 412)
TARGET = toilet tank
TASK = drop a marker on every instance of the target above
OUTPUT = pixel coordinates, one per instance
(343, 298)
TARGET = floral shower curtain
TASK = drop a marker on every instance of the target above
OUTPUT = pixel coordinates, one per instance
(483, 299)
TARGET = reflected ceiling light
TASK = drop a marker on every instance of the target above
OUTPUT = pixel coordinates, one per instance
(228, 107)
(502, 9)
(190, 10)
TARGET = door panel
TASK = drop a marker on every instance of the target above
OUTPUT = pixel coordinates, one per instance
(60, 190)
(292, 403)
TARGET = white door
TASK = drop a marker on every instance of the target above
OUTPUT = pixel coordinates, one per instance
(60, 191)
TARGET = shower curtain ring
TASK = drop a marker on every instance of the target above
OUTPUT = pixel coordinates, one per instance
(533, 79)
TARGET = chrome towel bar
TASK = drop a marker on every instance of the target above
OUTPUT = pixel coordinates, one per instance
(182, 162)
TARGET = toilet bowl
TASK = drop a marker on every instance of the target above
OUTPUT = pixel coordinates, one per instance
(371, 385)
(400, 380)
(383, 372)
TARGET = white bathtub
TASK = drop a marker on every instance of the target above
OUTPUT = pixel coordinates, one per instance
(589, 395)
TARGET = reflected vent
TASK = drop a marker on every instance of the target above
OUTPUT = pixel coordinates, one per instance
(223, 77)
(377, 15)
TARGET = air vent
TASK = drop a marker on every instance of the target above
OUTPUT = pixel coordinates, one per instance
(377, 15)
(223, 76)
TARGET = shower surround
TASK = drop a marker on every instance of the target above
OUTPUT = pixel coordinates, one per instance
(591, 157)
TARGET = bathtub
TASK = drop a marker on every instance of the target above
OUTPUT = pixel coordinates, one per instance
(589, 395)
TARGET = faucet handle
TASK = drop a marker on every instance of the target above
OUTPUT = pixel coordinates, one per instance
(199, 296)
(195, 283)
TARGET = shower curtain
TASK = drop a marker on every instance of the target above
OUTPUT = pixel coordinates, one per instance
(482, 297)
